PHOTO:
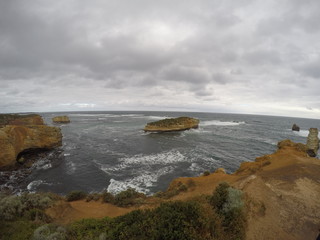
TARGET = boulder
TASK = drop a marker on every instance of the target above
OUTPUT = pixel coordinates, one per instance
(295, 127)
(28, 133)
(313, 141)
(172, 124)
(61, 119)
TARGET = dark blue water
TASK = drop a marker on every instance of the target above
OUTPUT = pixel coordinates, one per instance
(109, 150)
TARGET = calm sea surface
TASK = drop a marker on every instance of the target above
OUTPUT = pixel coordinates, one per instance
(109, 150)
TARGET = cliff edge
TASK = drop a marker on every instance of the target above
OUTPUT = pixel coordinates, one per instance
(28, 132)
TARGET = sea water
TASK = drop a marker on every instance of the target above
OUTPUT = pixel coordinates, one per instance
(110, 151)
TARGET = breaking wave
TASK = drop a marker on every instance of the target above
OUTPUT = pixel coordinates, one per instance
(220, 123)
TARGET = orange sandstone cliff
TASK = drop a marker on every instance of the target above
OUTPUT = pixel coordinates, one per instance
(19, 133)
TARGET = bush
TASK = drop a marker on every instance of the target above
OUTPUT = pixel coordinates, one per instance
(49, 232)
(93, 197)
(170, 221)
(88, 229)
(206, 173)
(12, 207)
(129, 197)
(107, 197)
(37, 215)
(228, 203)
(76, 195)
(17, 230)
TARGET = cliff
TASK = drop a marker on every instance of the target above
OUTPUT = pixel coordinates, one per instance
(172, 124)
(21, 133)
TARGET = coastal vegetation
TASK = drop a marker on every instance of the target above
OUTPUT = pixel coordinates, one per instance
(217, 216)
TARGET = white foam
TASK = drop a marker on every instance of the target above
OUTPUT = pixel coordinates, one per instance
(169, 157)
(34, 184)
(220, 123)
(140, 183)
(66, 154)
(42, 164)
(301, 133)
(195, 167)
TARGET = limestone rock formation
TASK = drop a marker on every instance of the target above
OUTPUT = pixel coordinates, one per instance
(295, 127)
(15, 139)
(172, 124)
(313, 142)
(61, 119)
(15, 119)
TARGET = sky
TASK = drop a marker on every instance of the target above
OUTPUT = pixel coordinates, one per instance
(244, 56)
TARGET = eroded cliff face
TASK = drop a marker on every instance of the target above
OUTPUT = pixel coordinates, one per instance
(27, 133)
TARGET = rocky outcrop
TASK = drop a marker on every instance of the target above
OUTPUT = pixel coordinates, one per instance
(61, 119)
(15, 119)
(295, 127)
(14, 139)
(313, 142)
(172, 124)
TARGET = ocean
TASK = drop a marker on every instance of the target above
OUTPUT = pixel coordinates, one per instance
(110, 151)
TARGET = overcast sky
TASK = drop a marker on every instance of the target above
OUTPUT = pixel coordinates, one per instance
(243, 56)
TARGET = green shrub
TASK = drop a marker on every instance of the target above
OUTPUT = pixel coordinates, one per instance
(37, 215)
(128, 197)
(206, 173)
(228, 203)
(50, 232)
(108, 197)
(87, 229)
(93, 197)
(76, 195)
(17, 230)
(170, 221)
(12, 207)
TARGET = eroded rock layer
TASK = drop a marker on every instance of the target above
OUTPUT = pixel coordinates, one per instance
(28, 133)
(313, 140)
(61, 119)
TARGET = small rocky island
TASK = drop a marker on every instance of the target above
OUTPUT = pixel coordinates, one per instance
(172, 125)
(61, 119)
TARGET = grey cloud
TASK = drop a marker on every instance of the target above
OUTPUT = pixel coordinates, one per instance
(102, 52)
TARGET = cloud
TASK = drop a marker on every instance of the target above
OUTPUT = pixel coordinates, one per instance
(237, 56)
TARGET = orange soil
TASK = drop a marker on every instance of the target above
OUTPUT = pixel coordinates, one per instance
(282, 191)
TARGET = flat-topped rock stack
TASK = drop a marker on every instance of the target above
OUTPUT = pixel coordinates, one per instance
(313, 142)
(172, 124)
(61, 119)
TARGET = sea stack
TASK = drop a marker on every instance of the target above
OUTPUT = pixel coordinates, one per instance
(312, 142)
(172, 124)
(61, 119)
(295, 127)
